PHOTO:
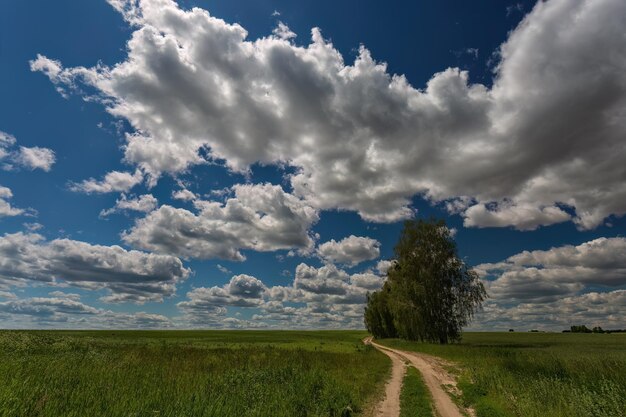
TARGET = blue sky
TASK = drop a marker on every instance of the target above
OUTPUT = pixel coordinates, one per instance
(508, 123)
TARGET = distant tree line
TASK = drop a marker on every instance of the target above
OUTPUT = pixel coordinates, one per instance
(429, 293)
(597, 329)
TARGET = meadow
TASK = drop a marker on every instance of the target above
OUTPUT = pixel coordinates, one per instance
(188, 373)
(536, 374)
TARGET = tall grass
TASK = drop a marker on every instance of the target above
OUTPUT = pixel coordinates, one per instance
(187, 373)
(537, 374)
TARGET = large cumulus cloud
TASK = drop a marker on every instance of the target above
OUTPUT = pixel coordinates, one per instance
(261, 217)
(542, 145)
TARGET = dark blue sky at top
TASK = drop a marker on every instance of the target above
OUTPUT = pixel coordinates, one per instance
(416, 38)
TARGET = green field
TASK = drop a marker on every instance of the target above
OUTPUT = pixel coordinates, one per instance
(537, 374)
(187, 373)
(298, 373)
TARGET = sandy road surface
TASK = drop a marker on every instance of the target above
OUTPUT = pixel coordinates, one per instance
(390, 406)
(434, 376)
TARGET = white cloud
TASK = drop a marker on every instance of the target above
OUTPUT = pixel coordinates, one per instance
(241, 291)
(207, 306)
(40, 306)
(604, 309)
(558, 271)
(282, 31)
(558, 286)
(24, 157)
(6, 140)
(33, 227)
(35, 158)
(325, 280)
(260, 217)
(549, 131)
(7, 295)
(61, 294)
(63, 310)
(367, 280)
(383, 266)
(6, 210)
(317, 298)
(144, 203)
(522, 216)
(349, 251)
(184, 195)
(114, 181)
(517, 7)
(128, 275)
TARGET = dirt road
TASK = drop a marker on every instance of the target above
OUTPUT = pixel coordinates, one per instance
(390, 406)
(435, 377)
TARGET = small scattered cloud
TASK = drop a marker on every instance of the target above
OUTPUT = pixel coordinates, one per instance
(6, 209)
(350, 251)
(35, 158)
(30, 158)
(65, 295)
(471, 52)
(144, 204)
(33, 227)
(114, 181)
(184, 195)
(514, 8)
(282, 31)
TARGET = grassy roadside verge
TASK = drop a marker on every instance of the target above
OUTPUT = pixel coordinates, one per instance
(415, 399)
(537, 374)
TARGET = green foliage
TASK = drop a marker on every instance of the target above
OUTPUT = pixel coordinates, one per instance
(415, 399)
(187, 373)
(580, 329)
(537, 374)
(430, 293)
(379, 319)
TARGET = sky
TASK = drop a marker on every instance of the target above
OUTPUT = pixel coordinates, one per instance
(249, 164)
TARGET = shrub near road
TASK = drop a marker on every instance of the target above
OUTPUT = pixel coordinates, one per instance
(537, 374)
(187, 373)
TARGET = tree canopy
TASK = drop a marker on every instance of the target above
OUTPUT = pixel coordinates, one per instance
(430, 294)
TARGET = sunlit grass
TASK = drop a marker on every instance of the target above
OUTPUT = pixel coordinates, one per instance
(415, 399)
(537, 374)
(187, 373)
